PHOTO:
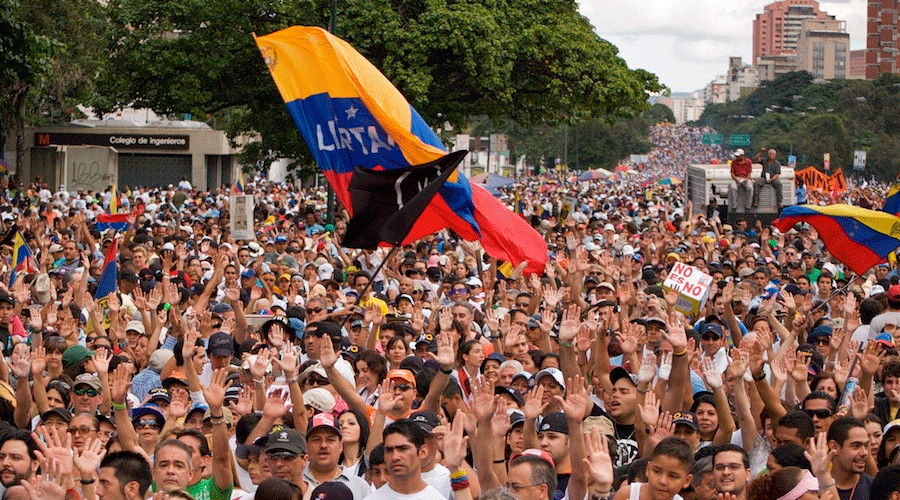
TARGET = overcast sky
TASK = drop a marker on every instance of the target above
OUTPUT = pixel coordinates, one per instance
(687, 43)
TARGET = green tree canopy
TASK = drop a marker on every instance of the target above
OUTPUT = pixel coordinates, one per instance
(532, 61)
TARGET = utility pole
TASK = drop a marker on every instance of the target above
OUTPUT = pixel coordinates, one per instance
(329, 213)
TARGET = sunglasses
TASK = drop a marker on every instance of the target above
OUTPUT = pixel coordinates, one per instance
(59, 385)
(822, 340)
(281, 455)
(459, 291)
(319, 381)
(315, 310)
(821, 414)
(710, 336)
(86, 392)
(148, 422)
(83, 430)
(403, 387)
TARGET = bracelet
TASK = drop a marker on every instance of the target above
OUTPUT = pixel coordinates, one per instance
(118, 406)
(292, 380)
(459, 485)
(682, 353)
(458, 474)
(447, 372)
(566, 344)
(826, 486)
(89, 481)
(217, 421)
(259, 381)
(501, 461)
(759, 378)
(645, 391)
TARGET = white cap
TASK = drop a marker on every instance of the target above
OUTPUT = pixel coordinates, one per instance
(738, 152)
(325, 271)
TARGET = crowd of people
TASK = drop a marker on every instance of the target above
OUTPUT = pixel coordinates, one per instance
(289, 367)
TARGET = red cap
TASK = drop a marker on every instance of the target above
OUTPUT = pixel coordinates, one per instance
(893, 292)
(536, 453)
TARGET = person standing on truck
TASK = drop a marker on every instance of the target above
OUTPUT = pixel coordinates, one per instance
(771, 170)
(741, 166)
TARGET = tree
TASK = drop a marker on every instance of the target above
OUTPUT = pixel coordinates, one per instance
(25, 62)
(532, 61)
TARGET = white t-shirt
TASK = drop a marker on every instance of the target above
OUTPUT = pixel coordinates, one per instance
(439, 478)
(386, 493)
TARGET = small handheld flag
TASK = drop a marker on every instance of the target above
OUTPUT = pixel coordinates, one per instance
(22, 258)
(107, 284)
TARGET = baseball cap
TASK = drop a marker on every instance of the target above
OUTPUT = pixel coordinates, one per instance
(738, 152)
(280, 238)
(88, 379)
(427, 420)
(819, 331)
(75, 353)
(893, 292)
(323, 421)
(655, 319)
(685, 418)
(551, 372)
(148, 409)
(543, 455)
(555, 422)
(332, 490)
(285, 439)
(885, 339)
(713, 328)
(405, 375)
(516, 417)
(620, 373)
(513, 393)
(406, 296)
(220, 344)
(60, 412)
(159, 394)
(136, 326)
(320, 399)
(522, 374)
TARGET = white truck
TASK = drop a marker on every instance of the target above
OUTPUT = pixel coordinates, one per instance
(702, 183)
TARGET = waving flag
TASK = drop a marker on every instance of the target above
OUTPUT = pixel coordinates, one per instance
(858, 237)
(892, 202)
(351, 116)
(107, 284)
(239, 183)
(22, 258)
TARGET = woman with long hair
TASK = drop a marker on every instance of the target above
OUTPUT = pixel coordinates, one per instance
(354, 437)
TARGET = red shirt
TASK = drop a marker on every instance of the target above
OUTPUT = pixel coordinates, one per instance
(741, 167)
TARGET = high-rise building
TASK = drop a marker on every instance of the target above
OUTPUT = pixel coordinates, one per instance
(857, 65)
(881, 40)
(777, 29)
(823, 48)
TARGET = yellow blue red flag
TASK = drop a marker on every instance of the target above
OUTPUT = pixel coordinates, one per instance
(892, 202)
(22, 258)
(351, 116)
(858, 237)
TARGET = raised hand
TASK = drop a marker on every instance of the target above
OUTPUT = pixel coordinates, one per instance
(288, 362)
(455, 444)
(119, 383)
(38, 361)
(88, 460)
(274, 406)
(597, 461)
(533, 405)
(34, 319)
(819, 454)
(500, 422)
(650, 409)
(102, 357)
(859, 403)
(214, 393)
(483, 400)
(50, 484)
(664, 428)
(570, 324)
(648, 368)
(445, 319)
(676, 335)
(20, 363)
(446, 353)
(577, 402)
(665, 366)
(261, 364)
(710, 374)
(738, 366)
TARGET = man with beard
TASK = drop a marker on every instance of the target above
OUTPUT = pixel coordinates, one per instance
(731, 470)
(18, 460)
(848, 439)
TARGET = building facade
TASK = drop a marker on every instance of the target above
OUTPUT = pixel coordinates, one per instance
(823, 48)
(776, 30)
(881, 38)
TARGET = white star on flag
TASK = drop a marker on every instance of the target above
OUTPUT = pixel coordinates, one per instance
(351, 111)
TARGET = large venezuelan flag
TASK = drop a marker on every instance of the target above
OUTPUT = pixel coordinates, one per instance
(858, 237)
(107, 284)
(350, 115)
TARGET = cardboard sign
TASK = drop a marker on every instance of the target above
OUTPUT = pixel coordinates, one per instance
(822, 182)
(242, 217)
(569, 204)
(692, 286)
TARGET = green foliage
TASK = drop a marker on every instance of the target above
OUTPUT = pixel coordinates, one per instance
(794, 114)
(531, 61)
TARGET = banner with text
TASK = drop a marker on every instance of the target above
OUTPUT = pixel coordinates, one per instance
(692, 286)
(816, 180)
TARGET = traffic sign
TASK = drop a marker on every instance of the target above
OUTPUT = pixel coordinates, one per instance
(710, 139)
(739, 140)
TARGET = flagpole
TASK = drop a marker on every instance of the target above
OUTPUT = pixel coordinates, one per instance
(389, 256)
(835, 294)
